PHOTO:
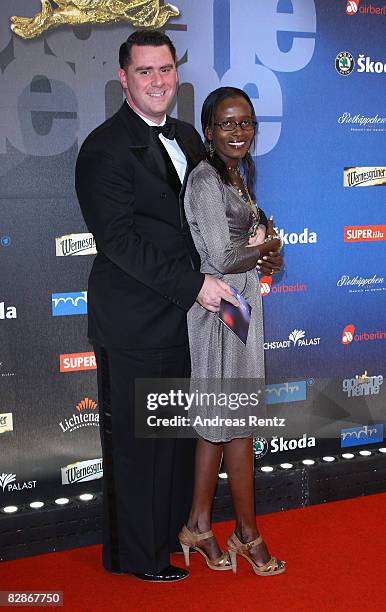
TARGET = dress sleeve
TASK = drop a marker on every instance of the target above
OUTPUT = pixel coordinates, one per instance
(205, 207)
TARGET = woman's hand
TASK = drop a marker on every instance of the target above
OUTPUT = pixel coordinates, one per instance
(258, 238)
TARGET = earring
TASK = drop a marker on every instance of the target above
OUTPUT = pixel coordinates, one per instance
(211, 149)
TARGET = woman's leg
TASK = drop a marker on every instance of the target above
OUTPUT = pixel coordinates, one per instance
(207, 464)
(238, 459)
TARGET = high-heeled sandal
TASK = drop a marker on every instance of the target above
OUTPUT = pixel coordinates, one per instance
(235, 547)
(189, 540)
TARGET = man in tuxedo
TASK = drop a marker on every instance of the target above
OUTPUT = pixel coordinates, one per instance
(130, 179)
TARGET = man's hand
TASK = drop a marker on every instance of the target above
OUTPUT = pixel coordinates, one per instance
(211, 293)
(271, 263)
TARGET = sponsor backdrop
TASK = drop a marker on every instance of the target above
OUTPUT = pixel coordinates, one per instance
(316, 72)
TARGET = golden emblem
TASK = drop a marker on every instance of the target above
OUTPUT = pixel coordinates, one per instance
(139, 13)
(362, 379)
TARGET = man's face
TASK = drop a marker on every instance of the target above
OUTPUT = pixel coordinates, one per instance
(150, 81)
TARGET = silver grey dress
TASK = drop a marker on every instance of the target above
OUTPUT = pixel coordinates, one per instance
(219, 221)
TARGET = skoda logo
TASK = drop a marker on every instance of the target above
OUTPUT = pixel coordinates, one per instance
(260, 447)
(344, 63)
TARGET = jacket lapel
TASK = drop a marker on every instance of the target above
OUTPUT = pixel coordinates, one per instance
(138, 137)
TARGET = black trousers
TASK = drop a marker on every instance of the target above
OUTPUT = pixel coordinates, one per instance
(147, 484)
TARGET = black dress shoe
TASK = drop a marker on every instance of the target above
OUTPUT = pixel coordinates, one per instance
(169, 574)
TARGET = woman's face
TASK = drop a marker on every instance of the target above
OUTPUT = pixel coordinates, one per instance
(233, 145)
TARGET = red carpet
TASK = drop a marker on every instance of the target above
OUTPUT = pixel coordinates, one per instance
(335, 554)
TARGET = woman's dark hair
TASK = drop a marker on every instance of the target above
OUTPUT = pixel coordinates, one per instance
(207, 121)
(144, 38)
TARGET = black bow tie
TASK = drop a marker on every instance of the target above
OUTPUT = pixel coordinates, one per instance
(168, 130)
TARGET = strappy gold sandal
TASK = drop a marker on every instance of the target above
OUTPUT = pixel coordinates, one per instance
(189, 540)
(235, 547)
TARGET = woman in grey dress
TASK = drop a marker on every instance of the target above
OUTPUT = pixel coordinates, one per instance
(230, 234)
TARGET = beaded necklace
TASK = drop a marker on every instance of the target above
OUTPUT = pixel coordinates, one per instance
(246, 197)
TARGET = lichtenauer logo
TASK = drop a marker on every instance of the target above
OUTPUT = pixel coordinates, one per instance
(75, 244)
(64, 304)
(356, 388)
(6, 422)
(77, 362)
(364, 176)
(295, 339)
(86, 417)
(349, 335)
(360, 284)
(365, 434)
(364, 233)
(82, 471)
(282, 393)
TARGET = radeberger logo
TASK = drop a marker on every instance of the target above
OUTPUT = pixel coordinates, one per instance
(6, 422)
(82, 471)
(75, 244)
(364, 233)
(364, 176)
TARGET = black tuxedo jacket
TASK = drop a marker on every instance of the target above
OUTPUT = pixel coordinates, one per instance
(146, 274)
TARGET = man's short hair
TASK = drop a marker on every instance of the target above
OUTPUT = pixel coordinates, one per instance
(144, 38)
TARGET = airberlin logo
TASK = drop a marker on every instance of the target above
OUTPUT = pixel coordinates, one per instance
(266, 287)
(352, 7)
(349, 335)
(77, 362)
